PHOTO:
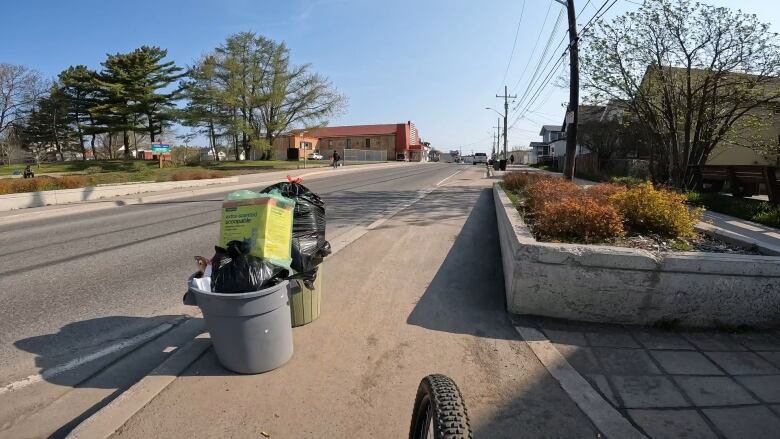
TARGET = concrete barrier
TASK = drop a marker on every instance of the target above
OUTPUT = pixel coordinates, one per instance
(609, 284)
(65, 196)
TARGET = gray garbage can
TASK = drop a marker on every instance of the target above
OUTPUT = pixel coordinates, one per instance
(251, 332)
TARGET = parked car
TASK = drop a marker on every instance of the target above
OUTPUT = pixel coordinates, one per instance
(401, 158)
(480, 157)
(314, 156)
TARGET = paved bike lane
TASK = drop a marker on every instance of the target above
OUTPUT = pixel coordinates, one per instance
(421, 293)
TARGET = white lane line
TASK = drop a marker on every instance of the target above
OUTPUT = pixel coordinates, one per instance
(773, 234)
(745, 226)
(76, 362)
(456, 172)
(608, 420)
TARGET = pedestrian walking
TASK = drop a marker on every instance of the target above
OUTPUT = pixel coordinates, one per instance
(336, 159)
(511, 159)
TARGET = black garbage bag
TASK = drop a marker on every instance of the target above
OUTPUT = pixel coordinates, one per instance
(309, 246)
(235, 271)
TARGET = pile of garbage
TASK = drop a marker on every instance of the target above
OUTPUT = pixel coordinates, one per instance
(265, 237)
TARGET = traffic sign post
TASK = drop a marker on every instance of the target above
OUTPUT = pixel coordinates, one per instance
(160, 149)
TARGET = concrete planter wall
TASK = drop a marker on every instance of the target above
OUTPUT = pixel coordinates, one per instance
(621, 285)
(65, 196)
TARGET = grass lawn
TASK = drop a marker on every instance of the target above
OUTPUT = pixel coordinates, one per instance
(758, 211)
(74, 174)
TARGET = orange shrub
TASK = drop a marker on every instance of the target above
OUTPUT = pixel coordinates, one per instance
(647, 209)
(549, 189)
(602, 192)
(72, 181)
(517, 181)
(41, 183)
(195, 174)
(5, 185)
(580, 219)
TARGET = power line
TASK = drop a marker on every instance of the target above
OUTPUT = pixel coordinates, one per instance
(563, 39)
(517, 32)
(538, 37)
(556, 66)
(545, 51)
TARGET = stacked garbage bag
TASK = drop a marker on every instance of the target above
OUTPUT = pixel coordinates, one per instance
(309, 246)
(271, 244)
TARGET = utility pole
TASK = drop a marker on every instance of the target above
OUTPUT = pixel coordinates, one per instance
(506, 112)
(497, 137)
(572, 113)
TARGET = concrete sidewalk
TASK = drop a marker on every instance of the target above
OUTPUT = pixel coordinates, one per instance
(678, 384)
(421, 293)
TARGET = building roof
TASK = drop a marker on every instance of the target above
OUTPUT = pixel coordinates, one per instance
(590, 113)
(552, 128)
(350, 130)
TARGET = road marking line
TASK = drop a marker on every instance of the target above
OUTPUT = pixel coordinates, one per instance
(605, 417)
(456, 172)
(773, 234)
(350, 236)
(76, 362)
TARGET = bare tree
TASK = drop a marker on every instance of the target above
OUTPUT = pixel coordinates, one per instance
(19, 89)
(692, 73)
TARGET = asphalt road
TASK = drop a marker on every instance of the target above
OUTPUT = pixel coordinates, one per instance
(72, 284)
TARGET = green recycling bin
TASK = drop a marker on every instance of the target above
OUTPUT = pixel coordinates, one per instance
(305, 302)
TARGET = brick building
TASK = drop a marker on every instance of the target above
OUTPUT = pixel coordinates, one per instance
(401, 141)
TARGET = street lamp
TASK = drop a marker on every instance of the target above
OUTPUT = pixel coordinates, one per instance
(497, 112)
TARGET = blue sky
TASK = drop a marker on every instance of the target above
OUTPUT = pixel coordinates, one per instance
(438, 63)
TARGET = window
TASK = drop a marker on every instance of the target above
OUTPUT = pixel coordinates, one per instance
(330, 144)
(368, 143)
(349, 143)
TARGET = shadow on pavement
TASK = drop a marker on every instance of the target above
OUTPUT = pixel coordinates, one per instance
(112, 373)
(52, 351)
(467, 294)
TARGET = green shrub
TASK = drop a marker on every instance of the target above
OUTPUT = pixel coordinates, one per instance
(758, 211)
(650, 210)
(627, 181)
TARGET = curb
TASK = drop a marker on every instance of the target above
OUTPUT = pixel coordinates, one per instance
(113, 416)
(108, 203)
(605, 417)
(738, 239)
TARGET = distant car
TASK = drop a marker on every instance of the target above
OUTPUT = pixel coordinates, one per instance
(480, 157)
(401, 158)
(315, 156)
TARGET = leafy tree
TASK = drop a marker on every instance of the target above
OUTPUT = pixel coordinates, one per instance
(50, 123)
(78, 86)
(132, 89)
(296, 96)
(692, 73)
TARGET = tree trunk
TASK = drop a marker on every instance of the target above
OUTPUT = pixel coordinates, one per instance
(213, 141)
(126, 143)
(92, 147)
(235, 147)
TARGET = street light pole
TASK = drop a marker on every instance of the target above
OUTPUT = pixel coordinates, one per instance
(506, 97)
(572, 115)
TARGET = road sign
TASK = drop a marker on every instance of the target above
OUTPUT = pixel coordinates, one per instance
(161, 147)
